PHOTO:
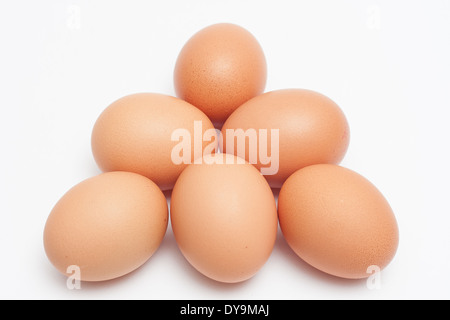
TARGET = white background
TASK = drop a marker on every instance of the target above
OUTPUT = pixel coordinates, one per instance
(386, 63)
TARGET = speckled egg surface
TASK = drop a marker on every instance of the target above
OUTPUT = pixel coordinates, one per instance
(337, 221)
(219, 68)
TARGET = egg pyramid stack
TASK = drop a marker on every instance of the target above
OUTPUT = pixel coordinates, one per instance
(222, 149)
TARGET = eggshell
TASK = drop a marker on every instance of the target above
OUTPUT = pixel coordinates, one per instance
(337, 221)
(219, 68)
(224, 218)
(301, 127)
(135, 134)
(107, 226)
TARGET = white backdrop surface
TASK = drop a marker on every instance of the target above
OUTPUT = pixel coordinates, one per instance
(386, 63)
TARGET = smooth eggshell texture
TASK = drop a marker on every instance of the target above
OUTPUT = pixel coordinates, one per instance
(312, 129)
(337, 221)
(108, 226)
(134, 134)
(219, 68)
(224, 218)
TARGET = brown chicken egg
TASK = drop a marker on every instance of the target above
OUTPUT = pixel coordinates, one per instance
(337, 221)
(224, 218)
(220, 68)
(106, 226)
(283, 131)
(151, 134)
